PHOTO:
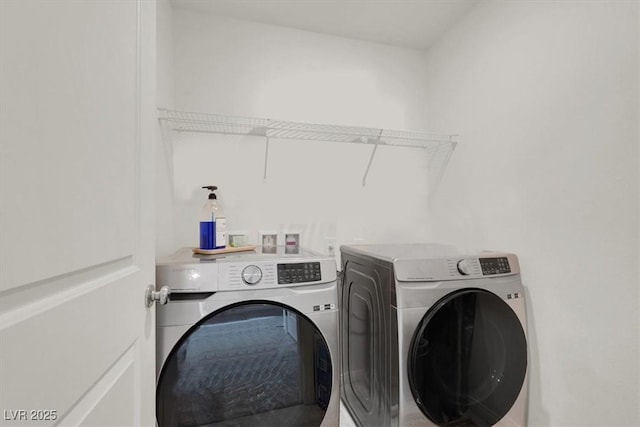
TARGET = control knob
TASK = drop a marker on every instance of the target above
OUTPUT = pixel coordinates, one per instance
(463, 267)
(251, 274)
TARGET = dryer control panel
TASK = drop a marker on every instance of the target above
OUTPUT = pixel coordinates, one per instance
(455, 268)
(491, 266)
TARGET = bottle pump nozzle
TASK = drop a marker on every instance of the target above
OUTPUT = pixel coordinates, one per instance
(211, 188)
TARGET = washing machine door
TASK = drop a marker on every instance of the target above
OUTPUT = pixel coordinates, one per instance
(255, 363)
(468, 359)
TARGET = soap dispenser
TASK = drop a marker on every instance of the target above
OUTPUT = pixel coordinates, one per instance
(213, 223)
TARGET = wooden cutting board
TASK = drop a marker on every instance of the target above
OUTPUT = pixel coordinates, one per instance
(226, 250)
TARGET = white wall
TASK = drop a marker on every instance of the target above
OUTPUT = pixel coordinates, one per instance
(240, 68)
(545, 96)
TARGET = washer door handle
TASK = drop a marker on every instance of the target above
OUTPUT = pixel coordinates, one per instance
(151, 295)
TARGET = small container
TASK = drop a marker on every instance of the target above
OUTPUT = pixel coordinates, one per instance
(292, 243)
(269, 242)
(238, 238)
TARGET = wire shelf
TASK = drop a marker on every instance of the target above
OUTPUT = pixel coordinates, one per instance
(439, 146)
(183, 121)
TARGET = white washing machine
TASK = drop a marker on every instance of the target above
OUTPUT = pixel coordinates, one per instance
(432, 337)
(248, 339)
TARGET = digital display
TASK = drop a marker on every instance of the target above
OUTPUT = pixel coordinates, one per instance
(495, 266)
(298, 273)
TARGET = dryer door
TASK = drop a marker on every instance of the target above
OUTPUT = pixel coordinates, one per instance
(468, 359)
(255, 363)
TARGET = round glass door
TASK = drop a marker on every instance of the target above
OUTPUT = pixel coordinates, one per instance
(251, 364)
(468, 359)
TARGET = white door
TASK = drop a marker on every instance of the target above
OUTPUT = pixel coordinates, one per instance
(76, 220)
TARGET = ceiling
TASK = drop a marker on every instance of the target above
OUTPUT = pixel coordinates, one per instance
(407, 23)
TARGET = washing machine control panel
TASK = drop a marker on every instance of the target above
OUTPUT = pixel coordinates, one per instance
(299, 272)
(289, 273)
(274, 274)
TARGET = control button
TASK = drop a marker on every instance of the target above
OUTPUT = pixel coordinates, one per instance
(463, 267)
(251, 274)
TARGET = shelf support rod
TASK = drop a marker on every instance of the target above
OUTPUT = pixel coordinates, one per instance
(266, 159)
(373, 153)
(434, 181)
(167, 144)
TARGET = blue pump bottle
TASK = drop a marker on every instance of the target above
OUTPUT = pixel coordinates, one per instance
(208, 220)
